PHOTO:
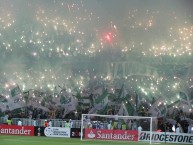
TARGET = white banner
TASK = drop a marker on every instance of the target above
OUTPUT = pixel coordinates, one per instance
(181, 138)
(57, 132)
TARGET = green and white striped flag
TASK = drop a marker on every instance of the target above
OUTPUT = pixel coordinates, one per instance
(15, 91)
(3, 99)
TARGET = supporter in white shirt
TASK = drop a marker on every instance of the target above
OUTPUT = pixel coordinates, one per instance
(190, 128)
(139, 128)
(50, 123)
(71, 123)
(89, 125)
(134, 126)
(34, 123)
(6, 118)
(109, 126)
(178, 129)
(19, 123)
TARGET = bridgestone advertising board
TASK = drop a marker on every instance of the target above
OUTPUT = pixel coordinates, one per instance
(181, 138)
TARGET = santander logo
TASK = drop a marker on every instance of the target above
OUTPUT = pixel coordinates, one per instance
(105, 134)
(91, 134)
(17, 130)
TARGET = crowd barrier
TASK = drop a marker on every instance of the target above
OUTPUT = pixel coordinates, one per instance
(40, 122)
(2, 120)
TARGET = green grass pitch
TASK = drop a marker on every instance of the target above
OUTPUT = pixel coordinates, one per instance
(23, 140)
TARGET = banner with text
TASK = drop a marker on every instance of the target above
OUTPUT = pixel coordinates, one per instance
(103, 134)
(181, 138)
(17, 130)
(57, 132)
(75, 133)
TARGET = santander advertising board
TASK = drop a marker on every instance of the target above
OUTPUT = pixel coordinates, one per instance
(103, 134)
(17, 130)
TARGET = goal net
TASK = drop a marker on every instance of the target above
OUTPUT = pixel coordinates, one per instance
(114, 127)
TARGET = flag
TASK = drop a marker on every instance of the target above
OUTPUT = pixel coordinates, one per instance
(183, 96)
(100, 102)
(33, 98)
(65, 99)
(70, 106)
(136, 101)
(57, 90)
(3, 99)
(118, 91)
(15, 91)
(130, 108)
(173, 104)
(105, 100)
(102, 97)
(3, 103)
(156, 102)
(163, 109)
(16, 100)
(98, 90)
(123, 92)
(185, 99)
(78, 95)
(157, 108)
(3, 106)
(122, 111)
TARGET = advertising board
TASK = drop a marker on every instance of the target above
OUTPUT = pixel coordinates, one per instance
(17, 130)
(57, 132)
(104, 134)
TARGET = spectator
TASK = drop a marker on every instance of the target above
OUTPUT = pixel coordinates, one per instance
(9, 121)
(134, 126)
(173, 128)
(50, 123)
(19, 123)
(71, 123)
(45, 123)
(140, 128)
(129, 124)
(190, 128)
(178, 129)
(6, 118)
(67, 125)
(101, 125)
(115, 125)
(89, 125)
(119, 125)
(109, 126)
(34, 122)
(97, 125)
(123, 126)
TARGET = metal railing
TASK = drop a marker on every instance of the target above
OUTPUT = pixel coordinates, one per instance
(40, 122)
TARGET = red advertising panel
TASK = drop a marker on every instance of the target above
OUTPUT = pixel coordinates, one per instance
(17, 130)
(103, 134)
